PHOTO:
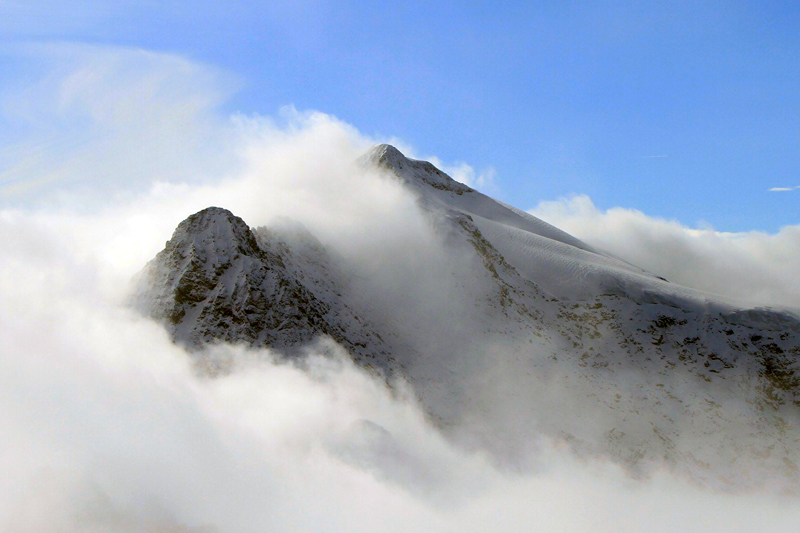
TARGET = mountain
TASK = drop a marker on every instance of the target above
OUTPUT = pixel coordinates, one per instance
(513, 331)
(218, 280)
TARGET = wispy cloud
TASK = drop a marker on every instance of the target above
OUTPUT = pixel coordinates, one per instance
(89, 121)
(783, 189)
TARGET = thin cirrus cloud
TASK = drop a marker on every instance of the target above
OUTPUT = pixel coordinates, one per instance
(784, 189)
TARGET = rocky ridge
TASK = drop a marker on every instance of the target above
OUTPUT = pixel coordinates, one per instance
(219, 281)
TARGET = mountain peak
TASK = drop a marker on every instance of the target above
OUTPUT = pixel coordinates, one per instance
(387, 155)
(215, 230)
(211, 216)
(413, 171)
(218, 280)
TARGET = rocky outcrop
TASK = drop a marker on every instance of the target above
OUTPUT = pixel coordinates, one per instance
(219, 281)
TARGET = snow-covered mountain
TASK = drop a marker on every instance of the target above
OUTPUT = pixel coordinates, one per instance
(533, 333)
(218, 280)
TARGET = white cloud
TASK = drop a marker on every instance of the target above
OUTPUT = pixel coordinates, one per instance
(783, 189)
(110, 121)
(758, 268)
(106, 426)
(465, 173)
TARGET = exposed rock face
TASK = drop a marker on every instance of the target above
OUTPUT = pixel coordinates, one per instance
(653, 372)
(217, 280)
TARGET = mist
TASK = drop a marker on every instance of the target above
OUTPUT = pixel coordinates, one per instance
(108, 425)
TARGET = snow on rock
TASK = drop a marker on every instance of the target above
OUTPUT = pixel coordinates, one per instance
(548, 336)
(217, 280)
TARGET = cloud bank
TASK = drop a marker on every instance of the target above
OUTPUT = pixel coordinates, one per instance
(754, 267)
(107, 426)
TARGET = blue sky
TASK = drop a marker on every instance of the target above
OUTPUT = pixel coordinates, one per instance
(684, 110)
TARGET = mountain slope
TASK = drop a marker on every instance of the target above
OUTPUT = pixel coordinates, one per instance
(533, 333)
(566, 266)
